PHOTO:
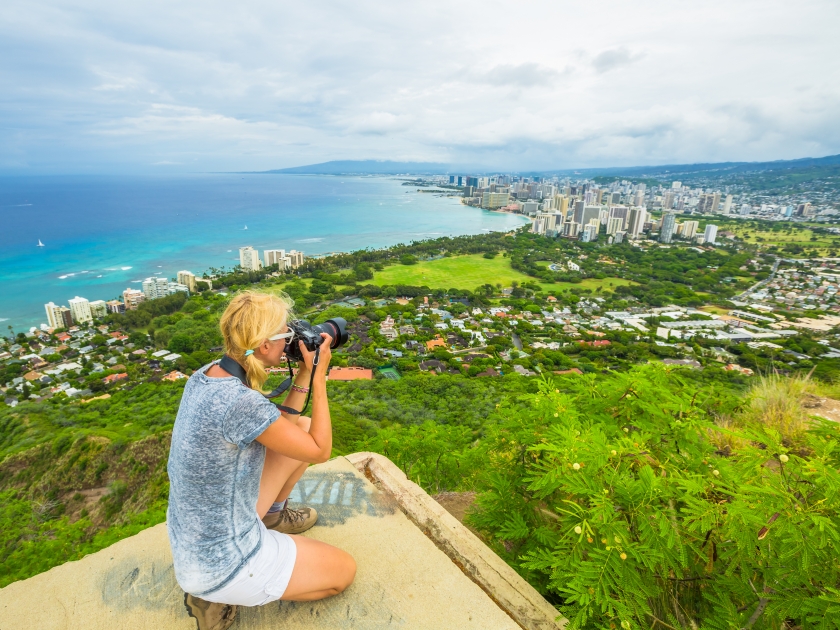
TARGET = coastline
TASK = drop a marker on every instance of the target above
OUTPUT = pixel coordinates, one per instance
(132, 228)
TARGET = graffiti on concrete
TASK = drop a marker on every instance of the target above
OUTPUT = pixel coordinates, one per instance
(339, 496)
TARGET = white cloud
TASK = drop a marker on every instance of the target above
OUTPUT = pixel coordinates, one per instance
(257, 85)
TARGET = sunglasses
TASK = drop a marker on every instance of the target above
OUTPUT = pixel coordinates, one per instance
(288, 336)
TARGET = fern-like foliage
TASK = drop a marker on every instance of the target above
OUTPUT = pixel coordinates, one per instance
(610, 498)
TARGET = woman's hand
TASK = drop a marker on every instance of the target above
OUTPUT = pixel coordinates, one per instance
(324, 356)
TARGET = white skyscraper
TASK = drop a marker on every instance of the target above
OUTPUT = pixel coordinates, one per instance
(727, 204)
(249, 259)
(80, 309)
(156, 287)
(710, 235)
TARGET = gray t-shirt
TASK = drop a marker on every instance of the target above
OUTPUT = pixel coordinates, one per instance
(215, 466)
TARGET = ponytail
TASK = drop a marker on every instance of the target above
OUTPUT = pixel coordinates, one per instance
(250, 319)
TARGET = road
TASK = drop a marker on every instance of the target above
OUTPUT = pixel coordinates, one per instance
(761, 282)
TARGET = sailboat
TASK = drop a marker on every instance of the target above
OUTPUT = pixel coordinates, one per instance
(40, 244)
(245, 228)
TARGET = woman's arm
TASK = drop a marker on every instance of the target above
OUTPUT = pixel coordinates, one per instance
(287, 438)
(295, 399)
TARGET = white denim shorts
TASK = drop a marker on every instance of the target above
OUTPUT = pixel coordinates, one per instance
(264, 578)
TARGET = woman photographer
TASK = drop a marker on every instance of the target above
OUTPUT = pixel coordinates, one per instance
(233, 462)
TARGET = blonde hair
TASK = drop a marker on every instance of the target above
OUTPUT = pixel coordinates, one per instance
(250, 319)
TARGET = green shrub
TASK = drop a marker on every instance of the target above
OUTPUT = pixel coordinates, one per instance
(611, 500)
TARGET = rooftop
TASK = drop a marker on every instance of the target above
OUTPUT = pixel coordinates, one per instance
(418, 567)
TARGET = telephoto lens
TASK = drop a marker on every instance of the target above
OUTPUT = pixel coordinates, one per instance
(311, 335)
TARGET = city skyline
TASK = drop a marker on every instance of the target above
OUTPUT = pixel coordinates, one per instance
(101, 88)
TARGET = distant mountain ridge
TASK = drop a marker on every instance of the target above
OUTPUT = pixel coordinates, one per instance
(364, 167)
(390, 167)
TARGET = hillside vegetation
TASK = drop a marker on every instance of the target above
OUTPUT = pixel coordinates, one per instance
(631, 493)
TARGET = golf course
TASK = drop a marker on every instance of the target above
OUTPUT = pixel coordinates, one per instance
(469, 272)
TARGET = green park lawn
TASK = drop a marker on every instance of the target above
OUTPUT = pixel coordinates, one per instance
(469, 272)
(789, 234)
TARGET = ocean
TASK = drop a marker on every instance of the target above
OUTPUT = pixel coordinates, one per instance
(102, 234)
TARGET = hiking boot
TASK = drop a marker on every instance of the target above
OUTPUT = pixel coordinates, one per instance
(290, 521)
(209, 615)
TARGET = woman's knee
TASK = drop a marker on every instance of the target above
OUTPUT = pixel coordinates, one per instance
(304, 422)
(348, 574)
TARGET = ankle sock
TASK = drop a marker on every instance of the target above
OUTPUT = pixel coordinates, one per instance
(277, 507)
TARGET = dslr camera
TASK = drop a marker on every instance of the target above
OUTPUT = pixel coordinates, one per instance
(311, 335)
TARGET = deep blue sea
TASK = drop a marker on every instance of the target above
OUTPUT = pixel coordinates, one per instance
(103, 234)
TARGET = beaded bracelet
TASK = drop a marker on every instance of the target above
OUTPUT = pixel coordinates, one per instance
(298, 388)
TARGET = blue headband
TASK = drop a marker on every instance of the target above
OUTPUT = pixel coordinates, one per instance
(248, 353)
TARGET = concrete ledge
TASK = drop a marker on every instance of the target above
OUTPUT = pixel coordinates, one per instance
(501, 583)
(418, 567)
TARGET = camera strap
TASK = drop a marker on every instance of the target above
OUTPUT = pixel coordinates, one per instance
(234, 369)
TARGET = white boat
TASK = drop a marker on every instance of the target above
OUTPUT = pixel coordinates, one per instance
(40, 244)
(245, 228)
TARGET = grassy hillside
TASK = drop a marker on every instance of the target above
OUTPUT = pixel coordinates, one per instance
(469, 272)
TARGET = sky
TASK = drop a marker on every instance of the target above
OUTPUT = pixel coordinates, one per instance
(193, 86)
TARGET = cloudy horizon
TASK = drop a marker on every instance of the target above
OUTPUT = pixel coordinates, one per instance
(94, 87)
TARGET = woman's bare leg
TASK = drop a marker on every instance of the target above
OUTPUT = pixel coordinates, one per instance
(321, 570)
(280, 473)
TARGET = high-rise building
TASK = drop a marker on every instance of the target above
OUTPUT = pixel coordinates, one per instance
(115, 306)
(639, 198)
(249, 259)
(80, 309)
(295, 258)
(577, 215)
(615, 224)
(187, 278)
(530, 208)
(804, 210)
(543, 222)
(562, 205)
(155, 287)
(666, 232)
(618, 237)
(98, 309)
(276, 257)
(615, 198)
(132, 298)
(708, 203)
(710, 235)
(727, 204)
(689, 229)
(589, 213)
(620, 212)
(676, 185)
(590, 233)
(492, 200)
(636, 224)
(58, 316)
(668, 200)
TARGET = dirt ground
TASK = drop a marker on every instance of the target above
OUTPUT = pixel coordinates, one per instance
(827, 408)
(457, 503)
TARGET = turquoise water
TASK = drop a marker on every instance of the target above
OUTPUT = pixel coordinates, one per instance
(104, 234)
